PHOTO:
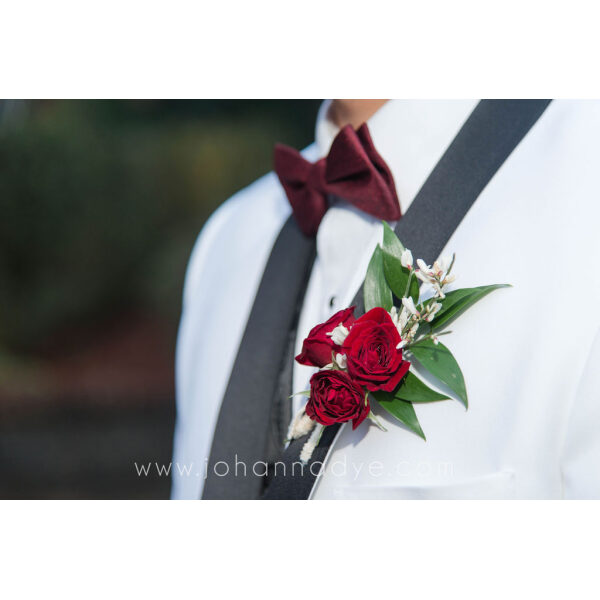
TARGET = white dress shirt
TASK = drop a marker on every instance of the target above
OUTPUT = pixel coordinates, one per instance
(530, 354)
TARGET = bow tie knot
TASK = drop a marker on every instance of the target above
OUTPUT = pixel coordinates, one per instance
(353, 170)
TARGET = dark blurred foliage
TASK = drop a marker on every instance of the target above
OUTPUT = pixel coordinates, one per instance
(100, 204)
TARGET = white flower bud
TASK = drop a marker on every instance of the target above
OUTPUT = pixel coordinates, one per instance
(399, 319)
(423, 266)
(403, 318)
(339, 334)
(413, 331)
(406, 259)
(422, 276)
(341, 361)
(432, 310)
(409, 304)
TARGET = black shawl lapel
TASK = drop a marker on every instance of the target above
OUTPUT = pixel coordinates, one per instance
(241, 437)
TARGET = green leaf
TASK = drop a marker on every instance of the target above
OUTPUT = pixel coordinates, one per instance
(438, 360)
(402, 410)
(455, 303)
(391, 244)
(375, 289)
(395, 274)
(413, 389)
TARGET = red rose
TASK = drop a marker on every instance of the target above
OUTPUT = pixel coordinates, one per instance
(318, 346)
(335, 398)
(370, 348)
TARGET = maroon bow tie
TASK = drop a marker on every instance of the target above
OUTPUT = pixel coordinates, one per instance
(353, 170)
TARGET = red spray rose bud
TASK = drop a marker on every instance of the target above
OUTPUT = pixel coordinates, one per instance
(370, 348)
(335, 398)
(318, 346)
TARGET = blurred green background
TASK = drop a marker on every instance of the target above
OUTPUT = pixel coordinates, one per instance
(100, 204)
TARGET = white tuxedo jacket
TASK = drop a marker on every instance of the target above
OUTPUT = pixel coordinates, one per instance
(530, 354)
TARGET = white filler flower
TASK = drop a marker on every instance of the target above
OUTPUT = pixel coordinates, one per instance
(339, 334)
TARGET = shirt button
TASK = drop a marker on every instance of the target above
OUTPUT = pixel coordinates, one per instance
(332, 302)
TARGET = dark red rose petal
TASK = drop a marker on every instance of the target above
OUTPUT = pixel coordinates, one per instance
(318, 347)
(336, 398)
(371, 351)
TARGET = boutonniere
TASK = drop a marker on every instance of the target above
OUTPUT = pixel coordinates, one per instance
(368, 359)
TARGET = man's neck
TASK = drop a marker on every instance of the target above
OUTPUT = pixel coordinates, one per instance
(353, 112)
